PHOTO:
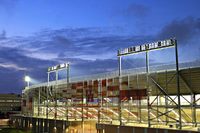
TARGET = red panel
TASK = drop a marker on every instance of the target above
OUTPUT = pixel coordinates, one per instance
(104, 83)
(113, 88)
(74, 86)
(30, 103)
(85, 84)
(135, 94)
(103, 93)
(79, 84)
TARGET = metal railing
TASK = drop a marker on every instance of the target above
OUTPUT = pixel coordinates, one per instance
(134, 71)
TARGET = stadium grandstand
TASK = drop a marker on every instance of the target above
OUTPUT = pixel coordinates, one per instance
(163, 98)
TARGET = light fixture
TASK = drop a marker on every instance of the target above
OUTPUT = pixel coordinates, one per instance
(27, 79)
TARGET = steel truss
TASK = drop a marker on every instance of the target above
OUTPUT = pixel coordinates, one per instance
(119, 99)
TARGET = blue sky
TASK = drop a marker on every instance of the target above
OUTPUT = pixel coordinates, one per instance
(37, 34)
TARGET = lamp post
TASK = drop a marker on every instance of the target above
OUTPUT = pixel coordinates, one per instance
(27, 79)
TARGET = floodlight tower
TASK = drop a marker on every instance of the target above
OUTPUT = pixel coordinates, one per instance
(146, 48)
(27, 80)
(56, 69)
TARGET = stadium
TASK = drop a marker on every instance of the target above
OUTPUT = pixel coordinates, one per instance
(161, 98)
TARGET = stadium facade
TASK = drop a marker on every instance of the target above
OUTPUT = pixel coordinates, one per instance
(164, 98)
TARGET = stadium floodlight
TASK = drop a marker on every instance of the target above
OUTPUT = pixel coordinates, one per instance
(147, 47)
(55, 69)
(58, 67)
(27, 79)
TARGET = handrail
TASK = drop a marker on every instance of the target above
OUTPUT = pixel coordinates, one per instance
(134, 71)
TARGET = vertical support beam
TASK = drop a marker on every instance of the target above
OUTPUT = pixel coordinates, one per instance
(119, 96)
(47, 102)
(166, 97)
(39, 101)
(139, 102)
(129, 100)
(148, 89)
(102, 97)
(82, 111)
(55, 91)
(47, 96)
(68, 68)
(193, 102)
(140, 111)
(66, 106)
(66, 102)
(99, 100)
(157, 100)
(178, 85)
(106, 105)
(82, 103)
(68, 79)
(194, 110)
(88, 84)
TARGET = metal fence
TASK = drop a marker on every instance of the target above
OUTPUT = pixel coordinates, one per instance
(133, 71)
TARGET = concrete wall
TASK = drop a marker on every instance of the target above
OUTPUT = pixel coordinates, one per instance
(129, 129)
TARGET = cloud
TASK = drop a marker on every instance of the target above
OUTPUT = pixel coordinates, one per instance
(89, 50)
(184, 30)
(16, 58)
(12, 66)
(72, 43)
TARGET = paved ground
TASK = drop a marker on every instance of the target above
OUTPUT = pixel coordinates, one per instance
(9, 130)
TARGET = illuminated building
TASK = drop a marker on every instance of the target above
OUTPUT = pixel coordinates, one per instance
(137, 100)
